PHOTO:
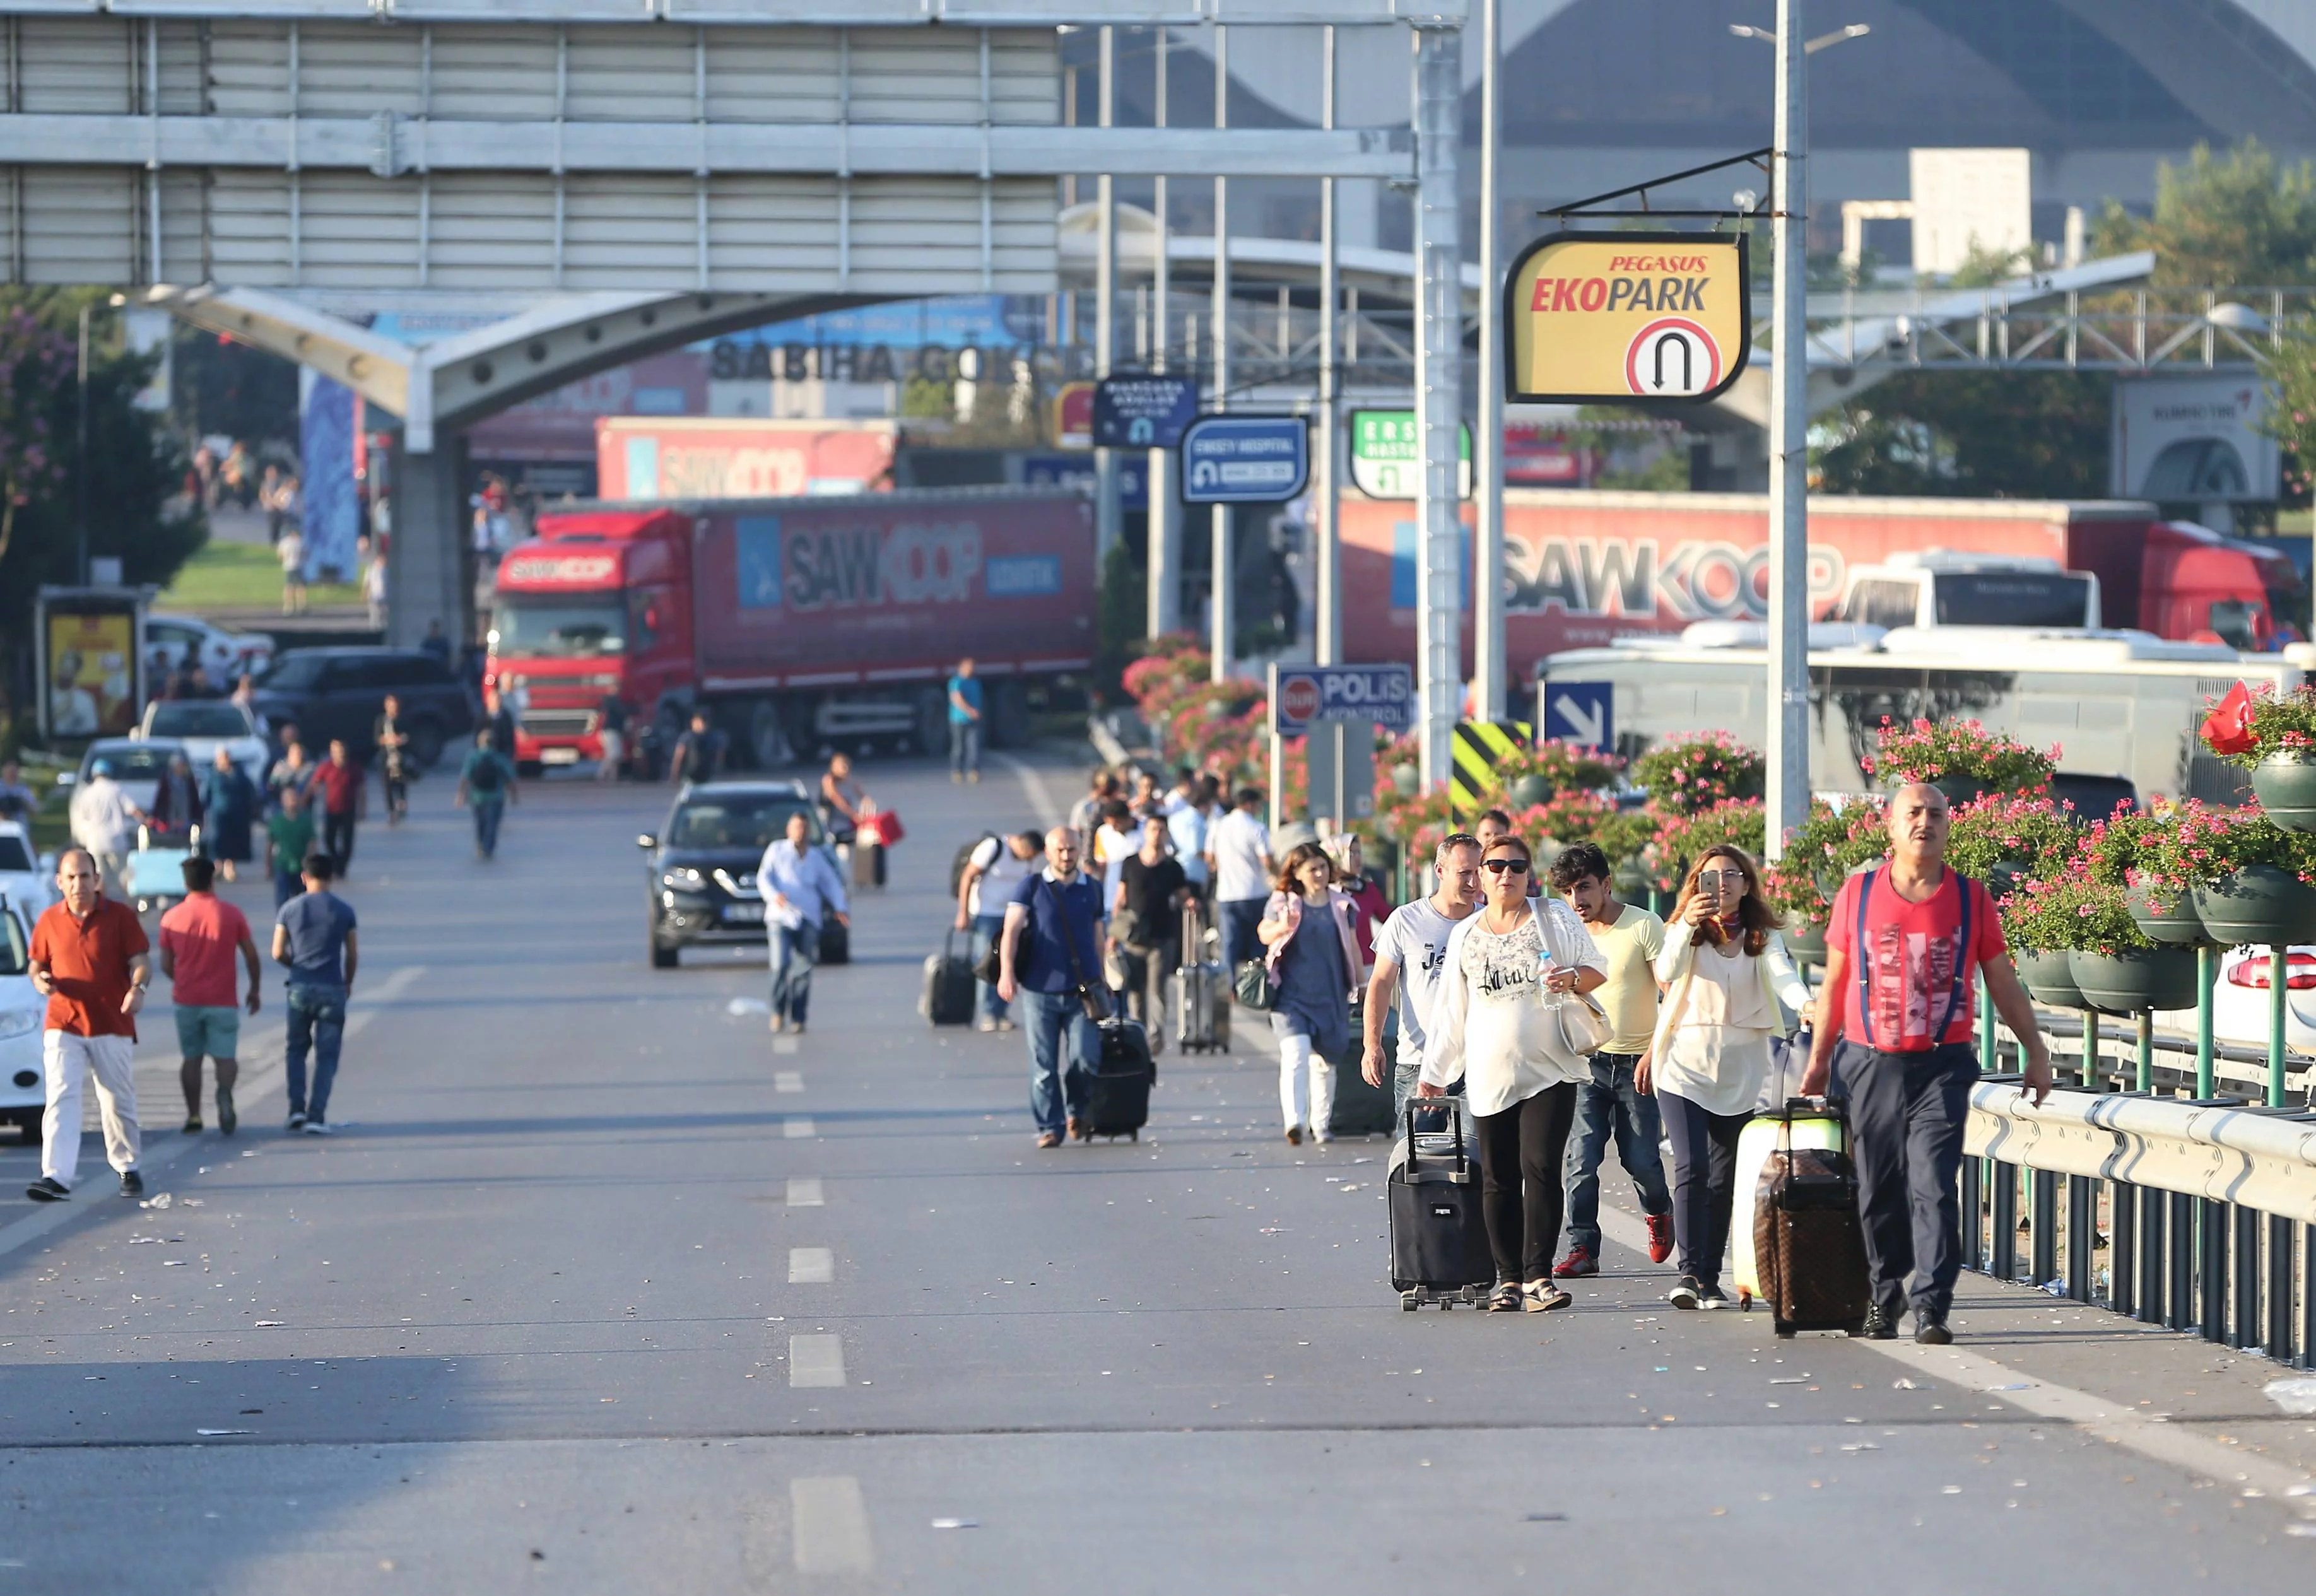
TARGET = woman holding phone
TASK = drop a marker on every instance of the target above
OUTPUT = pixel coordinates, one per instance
(1505, 971)
(1733, 986)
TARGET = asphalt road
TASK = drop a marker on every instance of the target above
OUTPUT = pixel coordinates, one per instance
(599, 1288)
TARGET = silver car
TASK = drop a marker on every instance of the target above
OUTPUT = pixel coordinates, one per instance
(204, 726)
(23, 1096)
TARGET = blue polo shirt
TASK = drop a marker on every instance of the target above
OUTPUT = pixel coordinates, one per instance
(967, 688)
(1044, 963)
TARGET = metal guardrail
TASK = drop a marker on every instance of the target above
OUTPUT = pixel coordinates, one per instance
(2198, 1213)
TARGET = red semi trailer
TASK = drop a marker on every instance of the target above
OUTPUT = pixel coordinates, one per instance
(1584, 568)
(794, 622)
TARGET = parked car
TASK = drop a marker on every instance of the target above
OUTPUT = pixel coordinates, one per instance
(136, 763)
(226, 655)
(24, 881)
(2240, 1000)
(337, 693)
(22, 1095)
(203, 725)
(700, 884)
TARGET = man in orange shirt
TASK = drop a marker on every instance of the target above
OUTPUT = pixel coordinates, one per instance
(89, 961)
(199, 938)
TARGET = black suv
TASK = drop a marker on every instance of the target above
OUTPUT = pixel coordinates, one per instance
(700, 886)
(339, 693)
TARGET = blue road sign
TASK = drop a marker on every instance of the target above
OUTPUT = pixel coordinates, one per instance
(1381, 695)
(1245, 460)
(1076, 470)
(1581, 712)
(1143, 412)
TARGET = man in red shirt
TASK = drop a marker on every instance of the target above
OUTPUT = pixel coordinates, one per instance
(1901, 946)
(199, 938)
(88, 960)
(337, 786)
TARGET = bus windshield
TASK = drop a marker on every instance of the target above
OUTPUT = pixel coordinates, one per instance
(2013, 598)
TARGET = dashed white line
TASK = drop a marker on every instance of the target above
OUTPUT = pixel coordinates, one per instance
(798, 1128)
(832, 1526)
(815, 1362)
(811, 1266)
(784, 1044)
(805, 1193)
(787, 1079)
(1033, 788)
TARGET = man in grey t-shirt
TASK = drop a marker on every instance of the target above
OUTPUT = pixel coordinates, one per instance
(1410, 952)
(313, 935)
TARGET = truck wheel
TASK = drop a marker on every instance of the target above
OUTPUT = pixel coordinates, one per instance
(932, 723)
(425, 743)
(768, 741)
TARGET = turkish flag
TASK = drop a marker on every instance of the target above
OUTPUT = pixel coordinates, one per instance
(2227, 729)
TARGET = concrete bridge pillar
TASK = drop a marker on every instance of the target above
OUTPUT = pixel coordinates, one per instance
(427, 567)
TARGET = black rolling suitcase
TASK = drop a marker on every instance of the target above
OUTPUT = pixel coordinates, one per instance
(1359, 1109)
(1117, 1088)
(1438, 1235)
(947, 996)
(1201, 992)
(1809, 1246)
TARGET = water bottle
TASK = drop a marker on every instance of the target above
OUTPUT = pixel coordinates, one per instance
(1544, 967)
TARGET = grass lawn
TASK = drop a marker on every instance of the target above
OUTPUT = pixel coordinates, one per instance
(243, 576)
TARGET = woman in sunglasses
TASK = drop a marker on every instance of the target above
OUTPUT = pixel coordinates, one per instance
(1308, 929)
(1507, 968)
(1733, 987)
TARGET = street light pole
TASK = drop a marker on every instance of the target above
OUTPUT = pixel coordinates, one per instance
(1788, 755)
(1438, 91)
(1165, 537)
(1107, 516)
(1327, 632)
(1223, 610)
(1491, 688)
(80, 453)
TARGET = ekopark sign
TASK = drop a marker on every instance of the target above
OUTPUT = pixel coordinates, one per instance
(1627, 319)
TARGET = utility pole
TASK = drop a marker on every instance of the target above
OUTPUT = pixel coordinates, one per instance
(1490, 689)
(1788, 755)
(1108, 528)
(1439, 88)
(1165, 554)
(1327, 632)
(1224, 611)
(80, 453)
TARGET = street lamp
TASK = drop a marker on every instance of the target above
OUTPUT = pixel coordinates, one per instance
(80, 454)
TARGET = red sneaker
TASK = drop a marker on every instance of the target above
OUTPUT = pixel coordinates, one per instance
(1660, 1237)
(1579, 1262)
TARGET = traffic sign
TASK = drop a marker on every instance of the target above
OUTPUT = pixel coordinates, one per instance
(1387, 455)
(1245, 460)
(1581, 713)
(1478, 750)
(1627, 317)
(1302, 695)
(1143, 412)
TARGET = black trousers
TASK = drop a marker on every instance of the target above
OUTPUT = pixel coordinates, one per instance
(1704, 1182)
(338, 836)
(1521, 1151)
(1907, 1112)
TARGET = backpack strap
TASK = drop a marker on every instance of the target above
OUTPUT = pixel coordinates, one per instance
(1962, 959)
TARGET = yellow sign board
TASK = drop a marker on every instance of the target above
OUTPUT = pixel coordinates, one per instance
(1627, 319)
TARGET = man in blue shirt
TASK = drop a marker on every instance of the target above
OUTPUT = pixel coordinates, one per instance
(964, 724)
(801, 888)
(314, 936)
(1049, 955)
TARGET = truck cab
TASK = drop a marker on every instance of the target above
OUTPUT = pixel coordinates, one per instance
(1941, 587)
(596, 605)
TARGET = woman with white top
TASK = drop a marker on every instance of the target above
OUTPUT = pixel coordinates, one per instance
(1733, 986)
(1309, 927)
(1507, 969)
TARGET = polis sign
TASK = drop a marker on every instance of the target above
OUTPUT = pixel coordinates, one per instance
(1378, 695)
(1628, 319)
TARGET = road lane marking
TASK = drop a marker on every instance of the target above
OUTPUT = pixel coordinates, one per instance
(2149, 1437)
(805, 1193)
(798, 1128)
(815, 1362)
(1034, 788)
(784, 1044)
(832, 1526)
(787, 1079)
(811, 1266)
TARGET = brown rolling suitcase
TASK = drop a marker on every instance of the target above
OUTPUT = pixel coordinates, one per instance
(1809, 1246)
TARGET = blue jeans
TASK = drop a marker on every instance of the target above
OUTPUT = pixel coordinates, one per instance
(1057, 1089)
(965, 747)
(317, 1019)
(793, 953)
(1240, 916)
(487, 816)
(986, 929)
(286, 885)
(1605, 1105)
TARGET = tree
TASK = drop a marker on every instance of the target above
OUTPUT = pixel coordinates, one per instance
(2242, 219)
(1976, 434)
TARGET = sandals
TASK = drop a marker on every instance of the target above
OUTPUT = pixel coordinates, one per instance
(1541, 1297)
(1508, 1299)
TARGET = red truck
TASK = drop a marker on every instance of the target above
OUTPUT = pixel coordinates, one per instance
(1585, 568)
(795, 622)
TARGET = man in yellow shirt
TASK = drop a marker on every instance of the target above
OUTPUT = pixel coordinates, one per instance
(1608, 1104)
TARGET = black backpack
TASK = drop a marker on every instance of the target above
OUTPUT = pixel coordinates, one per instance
(486, 779)
(964, 860)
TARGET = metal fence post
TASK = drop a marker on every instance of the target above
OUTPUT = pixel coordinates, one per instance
(2002, 1257)
(2308, 1297)
(2207, 966)
(2154, 1277)
(1973, 1213)
(2042, 1190)
(1986, 1027)
(2082, 1238)
(2090, 1049)
(2243, 1318)
(2279, 965)
(2123, 1256)
(2146, 1051)
(2179, 1291)
(2212, 1265)
(2280, 1241)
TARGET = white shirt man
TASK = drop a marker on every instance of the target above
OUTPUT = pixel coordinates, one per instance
(1411, 955)
(104, 820)
(993, 871)
(1238, 855)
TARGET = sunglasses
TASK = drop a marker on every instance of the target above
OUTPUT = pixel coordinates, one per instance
(1497, 867)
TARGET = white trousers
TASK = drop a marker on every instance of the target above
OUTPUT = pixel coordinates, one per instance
(65, 1058)
(1294, 1053)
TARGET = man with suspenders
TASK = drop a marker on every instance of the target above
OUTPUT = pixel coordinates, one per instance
(1901, 946)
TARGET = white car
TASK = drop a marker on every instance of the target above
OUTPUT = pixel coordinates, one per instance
(226, 655)
(23, 1096)
(204, 726)
(2240, 1000)
(22, 880)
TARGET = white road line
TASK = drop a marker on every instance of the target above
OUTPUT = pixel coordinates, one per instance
(815, 1362)
(1033, 786)
(805, 1193)
(787, 1079)
(811, 1266)
(784, 1044)
(2149, 1437)
(798, 1128)
(832, 1526)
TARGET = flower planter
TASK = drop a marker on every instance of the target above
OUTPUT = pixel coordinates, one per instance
(2286, 786)
(1408, 779)
(1806, 943)
(2050, 977)
(2135, 981)
(2174, 926)
(2261, 905)
(1529, 791)
(1961, 789)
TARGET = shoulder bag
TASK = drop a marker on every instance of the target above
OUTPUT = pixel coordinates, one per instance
(1584, 1026)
